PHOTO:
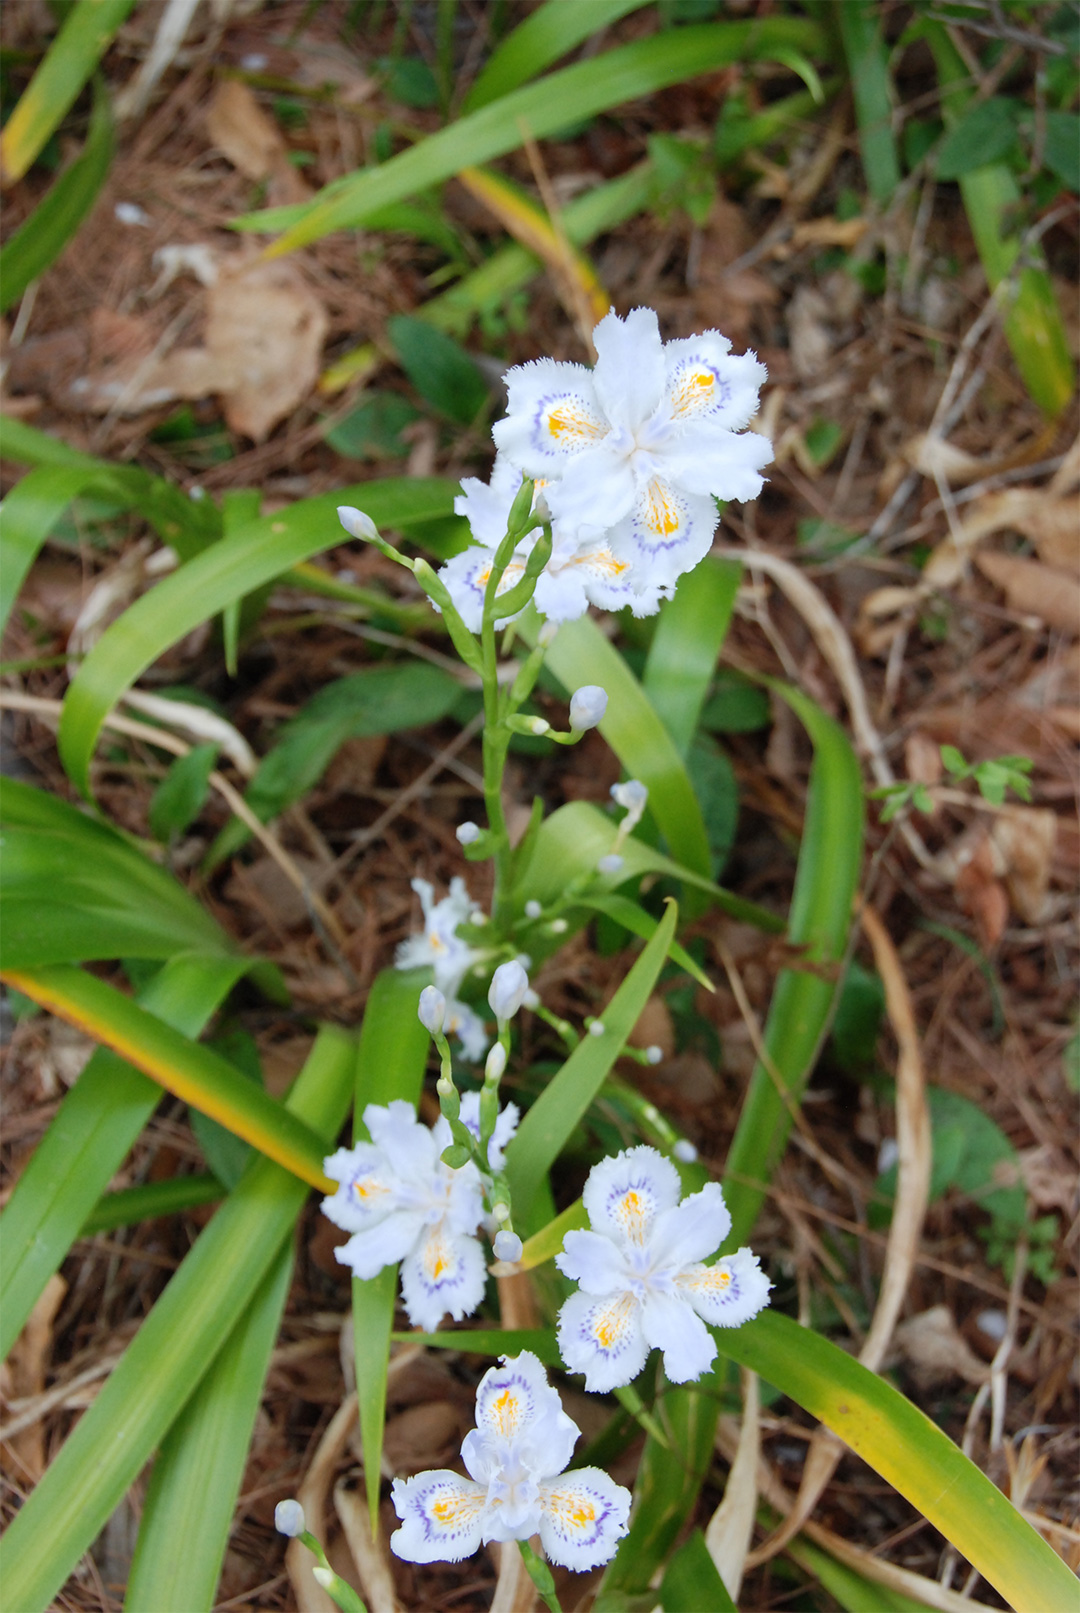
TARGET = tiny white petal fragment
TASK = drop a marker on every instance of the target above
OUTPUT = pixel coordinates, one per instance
(642, 1280)
(289, 1518)
(508, 987)
(587, 707)
(131, 213)
(356, 523)
(508, 1247)
(515, 1456)
(468, 833)
(431, 1009)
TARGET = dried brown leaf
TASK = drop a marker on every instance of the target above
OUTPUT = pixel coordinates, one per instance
(935, 1350)
(1035, 589)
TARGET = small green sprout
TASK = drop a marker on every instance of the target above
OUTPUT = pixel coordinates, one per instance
(992, 777)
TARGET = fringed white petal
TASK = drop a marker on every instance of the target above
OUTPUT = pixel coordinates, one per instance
(444, 1274)
(669, 1324)
(442, 1517)
(603, 1339)
(625, 1193)
(583, 1518)
(728, 1293)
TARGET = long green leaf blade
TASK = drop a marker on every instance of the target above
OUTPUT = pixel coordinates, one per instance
(580, 655)
(910, 1452)
(560, 1106)
(576, 92)
(58, 215)
(868, 64)
(171, 1352)
(190, 1071)
(690, 633)
(68, 64)
(206, 585)
(553, 30)
(196, 1478)
(88, 1140)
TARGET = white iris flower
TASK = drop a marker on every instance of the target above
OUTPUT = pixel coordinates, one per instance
(578, 574)
(636, 449)
(401, 1203)
(438, 947)
(642, 1281)
(515, 1456)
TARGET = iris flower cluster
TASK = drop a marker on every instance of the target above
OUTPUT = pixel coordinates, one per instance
(628, 458)
(627, 463)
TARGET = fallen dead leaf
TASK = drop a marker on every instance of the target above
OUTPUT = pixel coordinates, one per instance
(1035, 589)
(935, 1350)
(23, 1373)
(1023, 838)
(254, 144)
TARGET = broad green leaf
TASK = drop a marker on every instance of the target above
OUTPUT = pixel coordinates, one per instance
(27, 516)
(172, 1196)
(910, 1452)
(984, 134)
(691, 1583)
(551, 1119)
(868, 65)
(373, 429)
(69, 63)
(993, 203)
(172, 1351)
(577, 92)
(74, 890)
(55, 219)
(183, 1067)
(580, 655)
(736, 706)
(441, 371)
(553, 30)
(190, 1502)
(690, 632)
(89, 1138)
(1061, 149)
(199, 590)
(181, 795)
(574, 838)
(389, 1064)
(380, 700)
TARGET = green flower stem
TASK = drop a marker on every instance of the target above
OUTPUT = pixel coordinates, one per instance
(339, 1590)
(541, 1576)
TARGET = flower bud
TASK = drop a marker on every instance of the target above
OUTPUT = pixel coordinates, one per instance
(587, 707)
(653, 1054)
(508, 987)
(496, 1063)
(546, 636)
(323, 1576)
(533, 910)
(289, 1519)
(685, 1151)
(532, 999)
(431, 1010)
(597, 1028)
(611, 864)
(632, 795)
(508, 1246)
(467, 833)
(537, 725)
(356, 523)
